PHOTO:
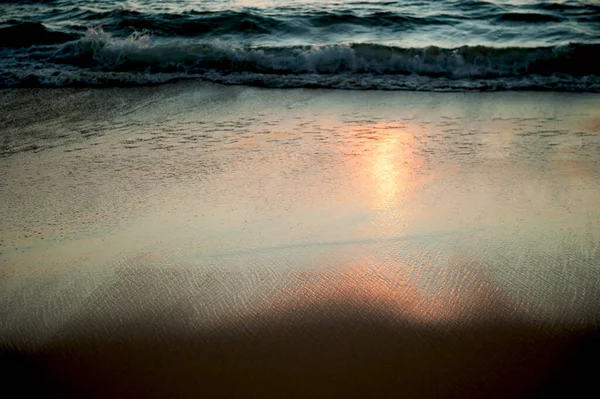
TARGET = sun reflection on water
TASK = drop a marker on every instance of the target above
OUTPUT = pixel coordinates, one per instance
(388, 174)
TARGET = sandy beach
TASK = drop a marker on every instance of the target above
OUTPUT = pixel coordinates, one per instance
(197, 240)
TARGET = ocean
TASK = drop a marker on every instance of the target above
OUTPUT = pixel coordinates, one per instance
(454, 45)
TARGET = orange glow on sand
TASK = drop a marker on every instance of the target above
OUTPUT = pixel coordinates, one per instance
(392, 162)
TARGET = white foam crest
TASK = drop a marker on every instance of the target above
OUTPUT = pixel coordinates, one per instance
(105, 48)
(141, 51)
(100, 59)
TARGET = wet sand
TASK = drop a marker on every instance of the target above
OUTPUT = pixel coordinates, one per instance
(199, 240)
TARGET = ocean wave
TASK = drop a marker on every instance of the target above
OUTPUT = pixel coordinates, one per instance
(457, 44)
(141, 53)
(573, 21)
(567, 6)
(189, 23)
(60, 77)
(376, 19)
(529, 17)
(212, 23)
(101, 59)
(24, 34)
(28, 1)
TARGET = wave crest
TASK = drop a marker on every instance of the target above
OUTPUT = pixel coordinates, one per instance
(99, 58)
(141, 52)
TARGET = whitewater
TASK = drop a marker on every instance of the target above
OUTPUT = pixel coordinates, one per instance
(403, 45)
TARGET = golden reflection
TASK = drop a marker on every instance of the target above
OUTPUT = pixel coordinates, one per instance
(420, 293)
(388, 175)
(392, 162)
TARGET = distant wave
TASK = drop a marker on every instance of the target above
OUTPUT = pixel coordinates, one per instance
(24, 34)
(29, 1)
(567, 6)
(529, 17)
(210, 23)
(190, 23)
(217, 23)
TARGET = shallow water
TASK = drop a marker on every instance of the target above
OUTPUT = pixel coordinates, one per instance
(243, 241)
(437, 197)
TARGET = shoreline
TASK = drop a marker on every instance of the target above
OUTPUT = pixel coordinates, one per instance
(279, 239)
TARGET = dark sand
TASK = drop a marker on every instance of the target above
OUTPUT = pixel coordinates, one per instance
(194, 240)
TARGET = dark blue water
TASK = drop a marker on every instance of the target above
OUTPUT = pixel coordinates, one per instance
(409, 44)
